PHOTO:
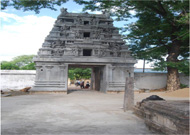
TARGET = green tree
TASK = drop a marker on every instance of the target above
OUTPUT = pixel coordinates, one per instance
(34, 5)
(9, 66)
(23, 62)
(30, 66)
(79, 73)
(160, 34)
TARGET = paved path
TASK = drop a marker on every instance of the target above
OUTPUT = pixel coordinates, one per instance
(80, 112)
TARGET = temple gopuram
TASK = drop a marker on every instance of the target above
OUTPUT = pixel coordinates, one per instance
(87, 41)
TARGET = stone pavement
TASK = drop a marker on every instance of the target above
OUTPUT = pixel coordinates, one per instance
(80, 112)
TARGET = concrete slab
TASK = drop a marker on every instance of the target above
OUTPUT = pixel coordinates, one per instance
(80, 112)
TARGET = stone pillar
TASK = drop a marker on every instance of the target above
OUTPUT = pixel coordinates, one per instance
(129, 94)
(92, 79)
(64, 75)
(106, 77)
(48, 72)
(97, 78)
(37, 71)
(110, 73)
(62, 68)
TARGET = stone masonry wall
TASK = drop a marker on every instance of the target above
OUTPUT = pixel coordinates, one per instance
(18, 79)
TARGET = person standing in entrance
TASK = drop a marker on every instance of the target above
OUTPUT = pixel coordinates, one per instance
(82, 85)
(87, 85)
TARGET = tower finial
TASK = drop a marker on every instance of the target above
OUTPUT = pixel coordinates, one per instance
(64, 10)
(106, 13)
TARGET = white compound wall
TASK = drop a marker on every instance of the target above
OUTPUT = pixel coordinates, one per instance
(18, 79)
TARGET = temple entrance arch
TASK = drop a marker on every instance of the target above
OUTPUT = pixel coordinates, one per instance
(82, 39)
(97, 81)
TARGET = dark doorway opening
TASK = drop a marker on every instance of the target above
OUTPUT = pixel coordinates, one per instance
(86, 22)
(86, 34)
(87, 52)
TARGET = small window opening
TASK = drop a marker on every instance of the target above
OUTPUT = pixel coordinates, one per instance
(86, 34)
(87, 52)
(86, 22)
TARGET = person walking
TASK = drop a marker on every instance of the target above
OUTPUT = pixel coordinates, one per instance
(82, 85)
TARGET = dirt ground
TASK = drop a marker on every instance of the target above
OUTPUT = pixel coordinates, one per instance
(184, 93)
(79, 112)
(181, 94)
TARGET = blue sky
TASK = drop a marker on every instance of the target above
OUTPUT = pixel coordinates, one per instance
(22, 33)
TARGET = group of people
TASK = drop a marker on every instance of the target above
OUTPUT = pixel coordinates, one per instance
(82, 84)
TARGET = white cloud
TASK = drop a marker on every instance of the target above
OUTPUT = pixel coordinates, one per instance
(94, 12)
(7, 17)
(133, 12)
(22, 35)
(140, 64)
(98, 4)
(77, 10)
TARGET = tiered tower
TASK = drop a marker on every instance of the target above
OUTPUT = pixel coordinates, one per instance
(83, 40)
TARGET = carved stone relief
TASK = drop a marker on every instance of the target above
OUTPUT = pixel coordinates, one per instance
(59, 21)
(96, 34)
(108, 35)
(78, 34)
(64, 27)
(64, 34)
(58, 52)
(76, 51)
(58, 43)
(79, 20)
(102, 52)
(96, 51)
(107, 30)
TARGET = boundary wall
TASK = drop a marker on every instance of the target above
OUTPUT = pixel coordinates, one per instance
(18, 79)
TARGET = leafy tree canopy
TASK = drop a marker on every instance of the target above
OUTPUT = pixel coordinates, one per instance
(23, 62)
(34, 5)
(9, 66)
(79, 73)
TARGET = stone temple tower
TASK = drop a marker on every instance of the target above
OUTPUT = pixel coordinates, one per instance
(83, 40)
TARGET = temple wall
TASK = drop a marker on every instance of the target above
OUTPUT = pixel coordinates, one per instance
(117, 75)
(18, 79)
(51, 77)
